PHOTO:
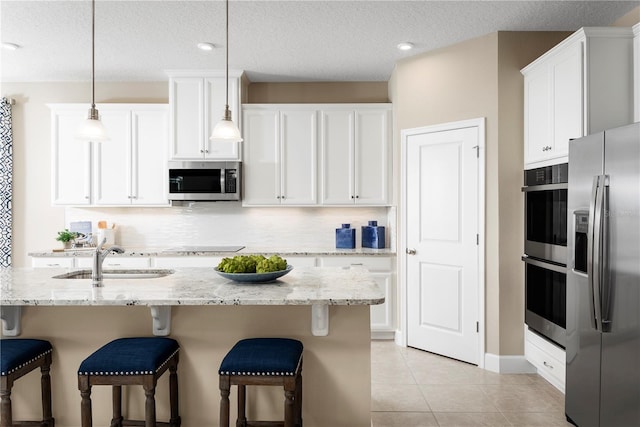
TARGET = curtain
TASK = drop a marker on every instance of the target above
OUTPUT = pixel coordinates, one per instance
(6, 180)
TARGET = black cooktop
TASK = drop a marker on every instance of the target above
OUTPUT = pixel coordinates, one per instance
(204, 249)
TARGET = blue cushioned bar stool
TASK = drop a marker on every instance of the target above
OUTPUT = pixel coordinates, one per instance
(131, 361)
(19, 357)
(263, 361)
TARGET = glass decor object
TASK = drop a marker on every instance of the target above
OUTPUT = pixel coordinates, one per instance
(345, 237)
(373, 236)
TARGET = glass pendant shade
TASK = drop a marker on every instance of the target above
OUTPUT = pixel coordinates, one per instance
(92, 129)
(226, 130)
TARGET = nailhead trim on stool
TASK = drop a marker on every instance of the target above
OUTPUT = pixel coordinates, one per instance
(263, 361)
(18, 357)
(131, 361)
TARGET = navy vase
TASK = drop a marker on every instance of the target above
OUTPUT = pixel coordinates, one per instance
(345, 237)
(373, 235)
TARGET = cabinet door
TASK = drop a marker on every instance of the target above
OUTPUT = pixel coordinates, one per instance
(537, 134)
(116, 262)
(336, 154)
(112, 160)
(149, 131)
(372, 157)
(214, 102)
(566, 72)
(382, 315)
(298, 136)
(261, 168)
(186, 98)
(70, 160)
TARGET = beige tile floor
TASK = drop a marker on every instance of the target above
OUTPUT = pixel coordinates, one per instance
(413, 388)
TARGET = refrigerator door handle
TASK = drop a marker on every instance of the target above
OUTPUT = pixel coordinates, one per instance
(603, 248)
(597, 251)
(590, 245)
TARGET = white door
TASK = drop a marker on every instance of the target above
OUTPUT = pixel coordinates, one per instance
(261, 168)
(372, 157)
(150, 181)
(112, 162)
(442, 242)
(298, 158)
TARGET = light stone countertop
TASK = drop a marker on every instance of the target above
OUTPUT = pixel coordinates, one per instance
(284, 252)
(190, 286)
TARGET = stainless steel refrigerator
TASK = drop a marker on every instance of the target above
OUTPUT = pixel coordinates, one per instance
(603, 279)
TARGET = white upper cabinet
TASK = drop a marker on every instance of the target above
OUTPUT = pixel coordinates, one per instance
(128, 169)
(197, 100)
(581, 86)
(280, 161)
(316, 154)
(355, 154)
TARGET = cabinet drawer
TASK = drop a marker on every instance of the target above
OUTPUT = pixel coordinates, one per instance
(117, 262)
(52, 262)
(372, 263)
(549, 367)
(187, 261)
(301, 261)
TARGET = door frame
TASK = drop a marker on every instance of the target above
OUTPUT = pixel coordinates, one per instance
(479, 123)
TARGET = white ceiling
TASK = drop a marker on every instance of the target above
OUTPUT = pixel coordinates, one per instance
(273, 41)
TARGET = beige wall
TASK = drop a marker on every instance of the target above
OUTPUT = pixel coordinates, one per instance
(319, 92)
(481, 78)
(630, 19)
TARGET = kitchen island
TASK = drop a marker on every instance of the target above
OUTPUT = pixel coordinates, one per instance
(208, 315)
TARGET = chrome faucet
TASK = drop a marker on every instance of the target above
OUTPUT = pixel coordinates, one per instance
(98, 259)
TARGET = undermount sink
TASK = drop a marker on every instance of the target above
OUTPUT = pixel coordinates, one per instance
(117, 274)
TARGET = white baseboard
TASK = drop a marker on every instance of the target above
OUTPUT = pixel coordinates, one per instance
(383, 335)
(508, 364)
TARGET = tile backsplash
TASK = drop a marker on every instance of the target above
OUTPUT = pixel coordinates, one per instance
(228, 223)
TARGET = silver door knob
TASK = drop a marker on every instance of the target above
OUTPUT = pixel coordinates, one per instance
(411, 251)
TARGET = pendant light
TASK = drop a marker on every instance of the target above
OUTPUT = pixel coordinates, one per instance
(92, 128)
(226, 130)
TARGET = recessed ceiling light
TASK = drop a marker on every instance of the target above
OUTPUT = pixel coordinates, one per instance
(10, 46)
(405, 46)
(206, 46)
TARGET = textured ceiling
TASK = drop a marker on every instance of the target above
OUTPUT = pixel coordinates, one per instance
(272, 41)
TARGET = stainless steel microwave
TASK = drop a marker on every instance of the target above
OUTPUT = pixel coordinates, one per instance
(204, 181)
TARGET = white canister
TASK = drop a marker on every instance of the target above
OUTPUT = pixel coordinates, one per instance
(106, 233)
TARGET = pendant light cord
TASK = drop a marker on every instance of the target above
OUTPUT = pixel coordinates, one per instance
(227, 59)
(93, 55)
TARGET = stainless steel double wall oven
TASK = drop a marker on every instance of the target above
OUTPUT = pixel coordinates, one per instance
(545, 250)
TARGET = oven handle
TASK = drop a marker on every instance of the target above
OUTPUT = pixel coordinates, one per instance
(545, 187)
(543, 264)
(223, 176)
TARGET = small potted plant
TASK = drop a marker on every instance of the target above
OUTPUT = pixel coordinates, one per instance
(66, 237)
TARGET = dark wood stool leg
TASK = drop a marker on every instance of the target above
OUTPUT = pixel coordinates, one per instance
(45, 387)
(289, 401)
(116, 399)
(150, 405)
(242, 401)
(298, 400)
(6, 419)
(86, 418)
(225, 385)
(173, 395)
(288, 408)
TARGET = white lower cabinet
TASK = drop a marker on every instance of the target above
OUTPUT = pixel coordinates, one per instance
(111, 261)
(548, 358)
(116, 262)
(381, 268)
(186, 261)
(52, 262)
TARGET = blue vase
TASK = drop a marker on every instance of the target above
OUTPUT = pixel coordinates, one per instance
(373, 236)
(345, 237)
